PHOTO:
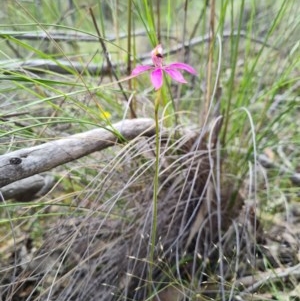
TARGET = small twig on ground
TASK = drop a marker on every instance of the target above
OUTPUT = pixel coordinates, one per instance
(267, 163)
(253, 282)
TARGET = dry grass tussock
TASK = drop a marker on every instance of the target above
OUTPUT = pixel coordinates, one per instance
(206, 235)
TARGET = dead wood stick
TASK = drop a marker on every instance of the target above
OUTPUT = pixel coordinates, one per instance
(63, 36)
(62, 66)
(26, 162)
(253, 282)
(26, 189)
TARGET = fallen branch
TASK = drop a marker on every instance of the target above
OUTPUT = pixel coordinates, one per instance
(62, 66)
(62, 36)
(40, 66)
(26, 162)
(26, 189)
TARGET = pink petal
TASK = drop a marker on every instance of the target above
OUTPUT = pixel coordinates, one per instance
(182, 66)
(176, 75)
(157, 78)
(140, 69)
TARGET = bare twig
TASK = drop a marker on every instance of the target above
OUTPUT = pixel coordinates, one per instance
(110, 65)
(70, 36)
(253, 282)
(210, 60)
(26, 162)
(267, 163)
(62, 36)
(64, 66)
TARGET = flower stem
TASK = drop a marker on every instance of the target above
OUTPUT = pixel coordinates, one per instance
(155, 190)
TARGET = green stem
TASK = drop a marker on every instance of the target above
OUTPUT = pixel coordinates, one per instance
(155, 190)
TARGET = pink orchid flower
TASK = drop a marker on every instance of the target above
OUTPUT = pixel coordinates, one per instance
(157, 71)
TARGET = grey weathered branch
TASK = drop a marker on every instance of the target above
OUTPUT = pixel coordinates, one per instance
(26, 162)
(26, 189)
(58, 66)
(62, 66)
(62, 36)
